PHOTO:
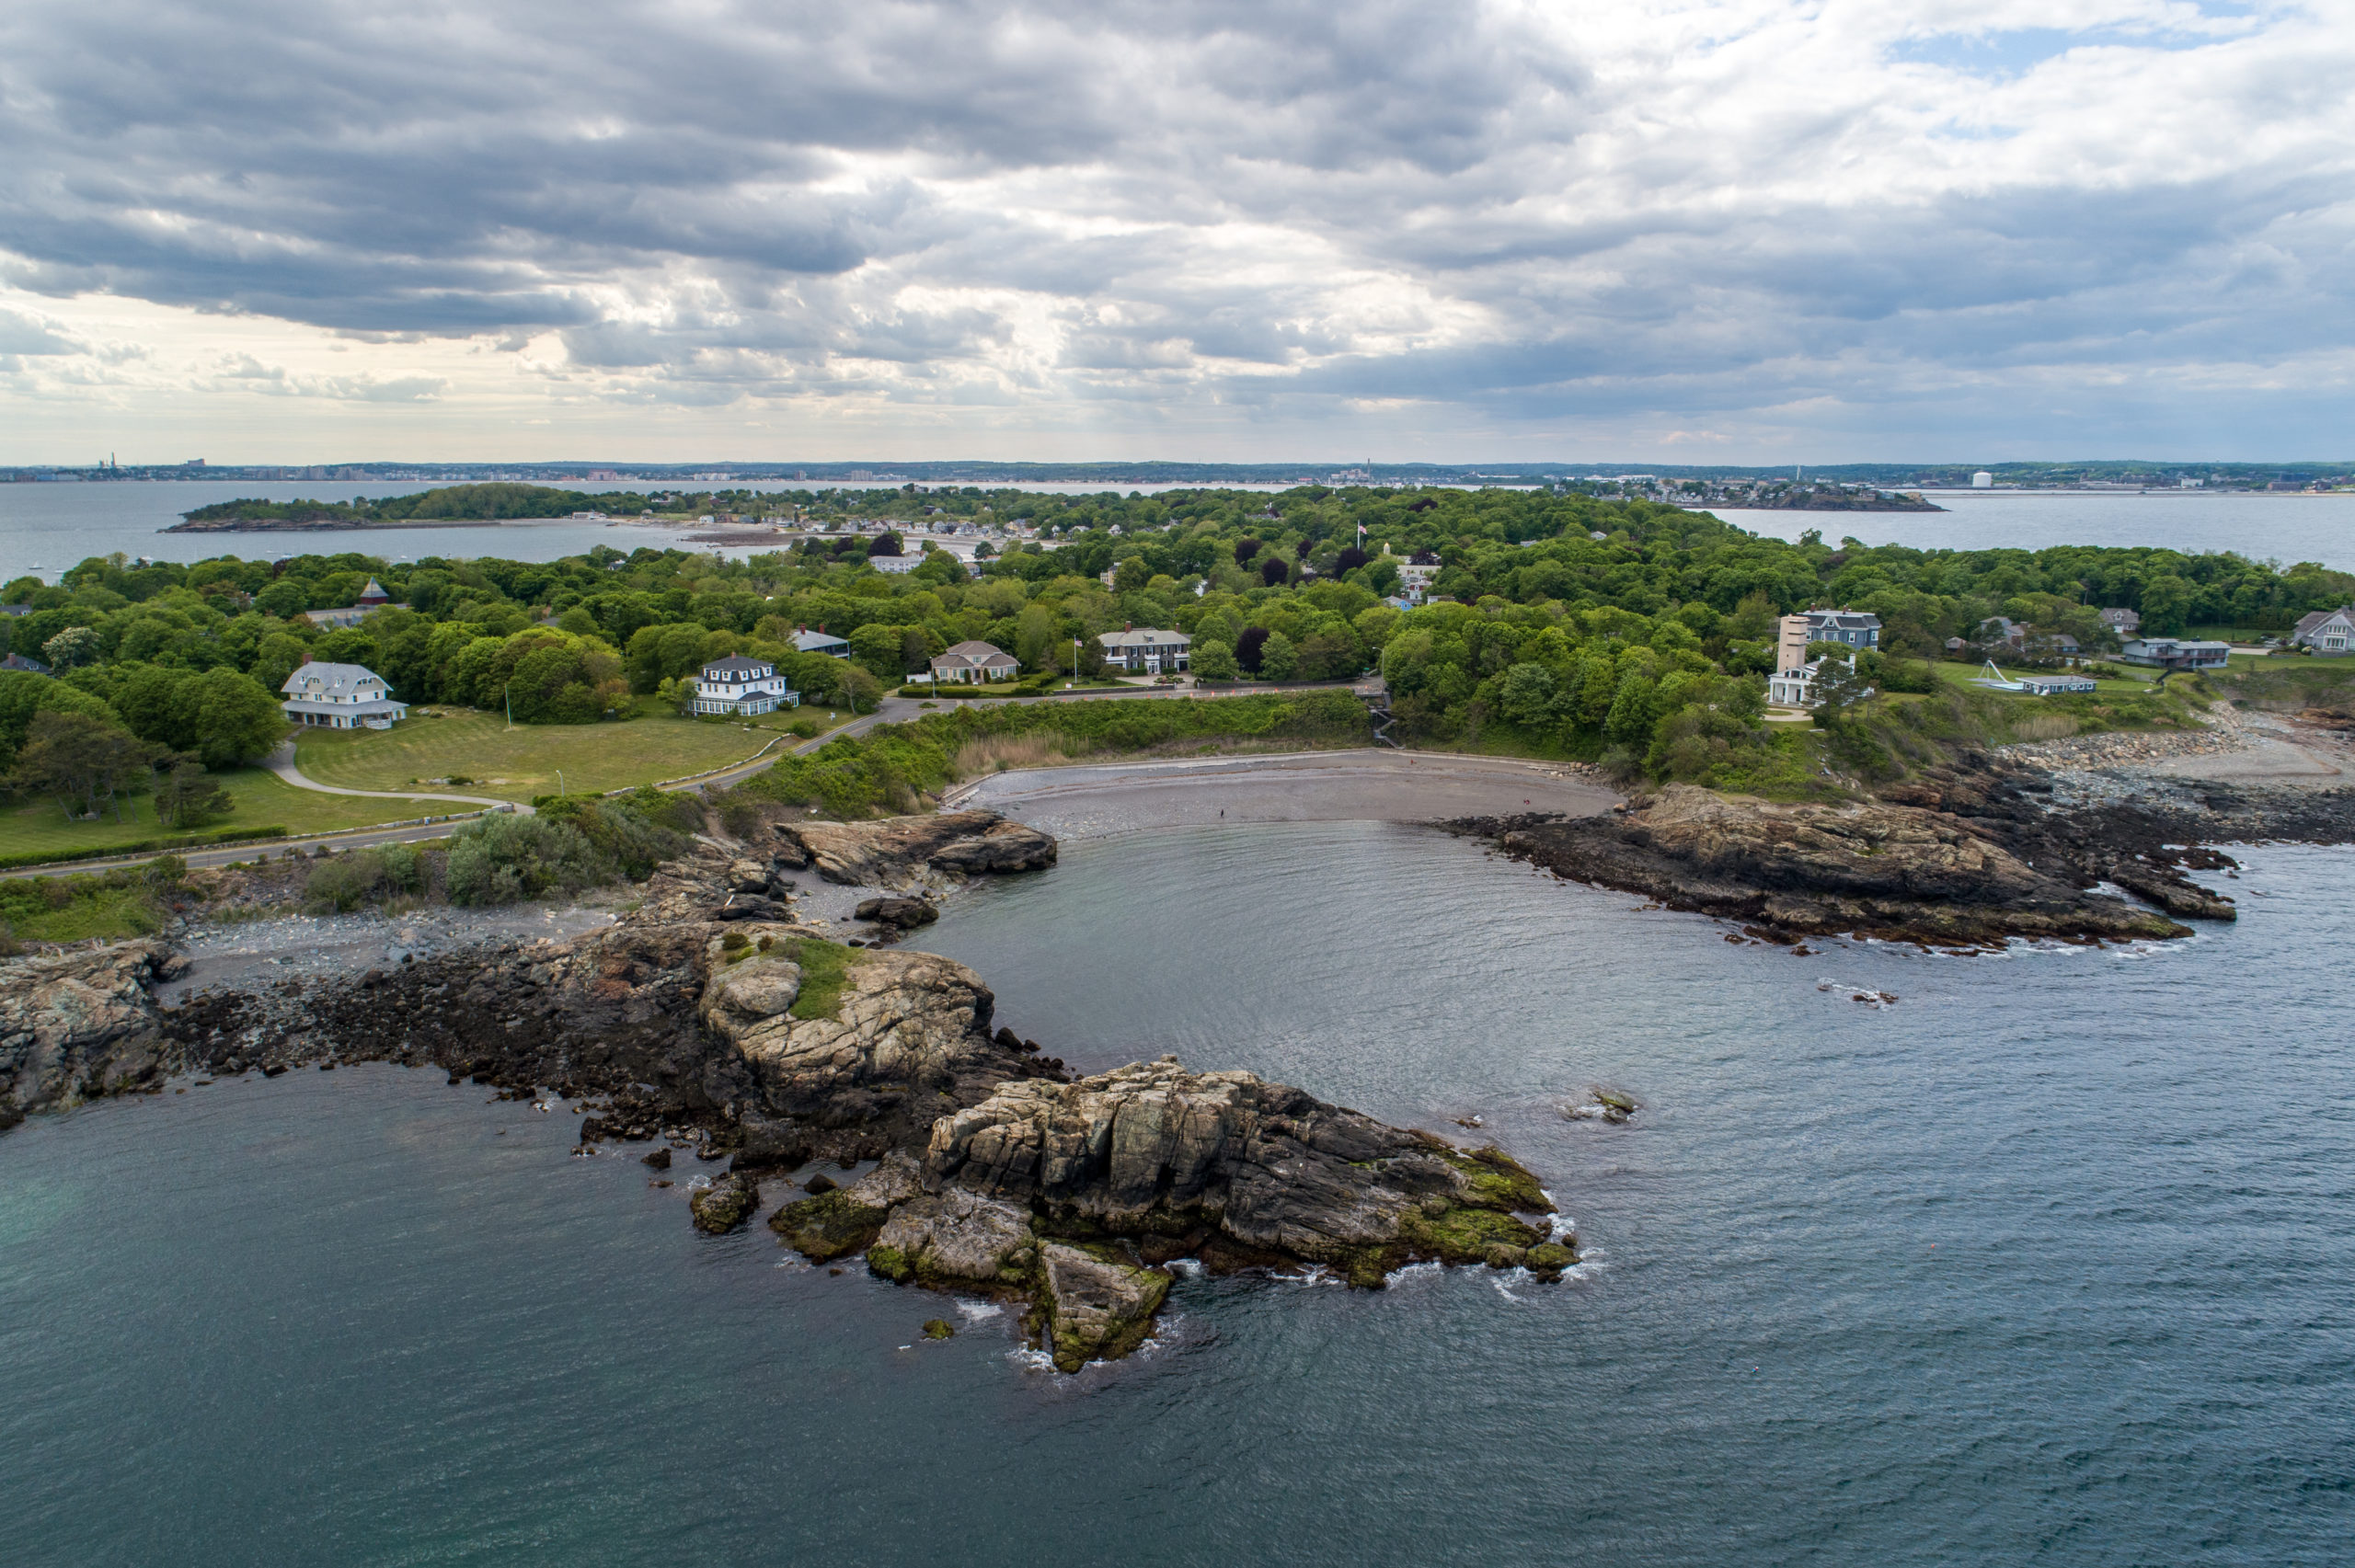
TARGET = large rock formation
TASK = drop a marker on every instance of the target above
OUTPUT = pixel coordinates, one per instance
(1070, 1195)
(889, 853)
(1873, 868)
(77, 1025)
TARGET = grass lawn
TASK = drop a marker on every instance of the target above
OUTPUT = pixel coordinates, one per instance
(518, 763)
(1962, 675)
(263, 801)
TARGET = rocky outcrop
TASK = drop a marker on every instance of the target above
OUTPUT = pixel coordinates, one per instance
(1072, 1195)
(893, 852)
(709, 1016)
(1230, 1161)
(1873, 868)
(77, 1025)
(904, 914)
(1095, 1306)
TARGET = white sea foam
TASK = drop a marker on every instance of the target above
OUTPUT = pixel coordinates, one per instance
(979, 1312)
(1314, 1274)
(1031, 1360)
(1184, 1268)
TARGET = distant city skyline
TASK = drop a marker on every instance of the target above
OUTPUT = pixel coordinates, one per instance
(1750, 231)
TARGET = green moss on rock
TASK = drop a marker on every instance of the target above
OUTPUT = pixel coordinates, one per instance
(828, 1225)
(890, 1262)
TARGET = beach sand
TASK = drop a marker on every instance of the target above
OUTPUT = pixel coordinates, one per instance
(1094, 800)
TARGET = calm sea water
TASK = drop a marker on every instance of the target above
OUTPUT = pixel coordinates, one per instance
(2048, 1262)
(2286, 528)
(45, 528)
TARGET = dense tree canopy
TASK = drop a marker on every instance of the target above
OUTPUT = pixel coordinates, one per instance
(1574, 624)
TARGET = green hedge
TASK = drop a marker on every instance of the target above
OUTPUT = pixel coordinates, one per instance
(142, 846)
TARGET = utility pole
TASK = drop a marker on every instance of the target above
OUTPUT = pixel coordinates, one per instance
(1075, 665)
(508, 691)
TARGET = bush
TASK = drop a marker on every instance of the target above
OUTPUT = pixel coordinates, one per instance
(347, 881)
(504, 859)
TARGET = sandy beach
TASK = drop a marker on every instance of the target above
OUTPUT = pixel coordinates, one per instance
(1094, 800)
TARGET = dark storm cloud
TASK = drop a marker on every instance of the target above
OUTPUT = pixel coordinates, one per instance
(1529, 213)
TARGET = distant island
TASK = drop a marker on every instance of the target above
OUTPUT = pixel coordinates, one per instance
(450, 504)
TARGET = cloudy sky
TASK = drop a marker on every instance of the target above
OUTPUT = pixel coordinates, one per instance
(1669, 229)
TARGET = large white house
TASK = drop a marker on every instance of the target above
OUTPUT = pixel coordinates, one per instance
(739, 685)
(1146, 648)
(340, 696)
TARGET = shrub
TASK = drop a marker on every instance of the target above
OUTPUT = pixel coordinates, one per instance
(501, 860)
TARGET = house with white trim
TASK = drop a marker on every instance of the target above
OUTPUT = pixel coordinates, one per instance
(340, 696)
(2326, 631)
(1146, 648)
(974, 663)
(739, 684)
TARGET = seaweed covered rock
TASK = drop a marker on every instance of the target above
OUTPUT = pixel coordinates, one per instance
(726, 1204)
(1094, 1306)
(889, 853)
(837, 1221)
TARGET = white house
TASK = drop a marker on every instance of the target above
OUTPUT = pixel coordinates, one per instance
(340, 696)
(970, 663)
(1144, 648)
(739, 685)
(2327, 631)
(1793, 683)
(2122, 622)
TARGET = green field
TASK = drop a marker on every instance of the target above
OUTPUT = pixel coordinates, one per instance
(518, 763)
(263, 801)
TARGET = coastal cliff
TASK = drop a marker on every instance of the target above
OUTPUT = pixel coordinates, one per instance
(1873, 868)
(709, 1018)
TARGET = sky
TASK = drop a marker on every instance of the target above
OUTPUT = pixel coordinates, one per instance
(1690, 231)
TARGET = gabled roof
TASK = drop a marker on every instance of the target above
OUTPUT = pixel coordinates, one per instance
(979, 652)
(816, 641)
(733, 664)
(2311, 621)
(1846, 620)
(1146, 636)
(331, 681)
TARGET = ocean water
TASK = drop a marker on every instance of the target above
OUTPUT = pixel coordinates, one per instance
(45, 528)
(2048, 1261)
(2286, 528)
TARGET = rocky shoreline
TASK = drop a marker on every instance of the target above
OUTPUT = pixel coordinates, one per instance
(712, 1019)
(1995, 846)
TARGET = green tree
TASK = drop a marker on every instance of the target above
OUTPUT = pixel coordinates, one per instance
(189, 797)
(1279, 657)
(1215, 662)
(86, 763)
(229, 718)
(73, 646)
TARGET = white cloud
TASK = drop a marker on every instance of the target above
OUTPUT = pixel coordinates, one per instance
(1770, 228)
